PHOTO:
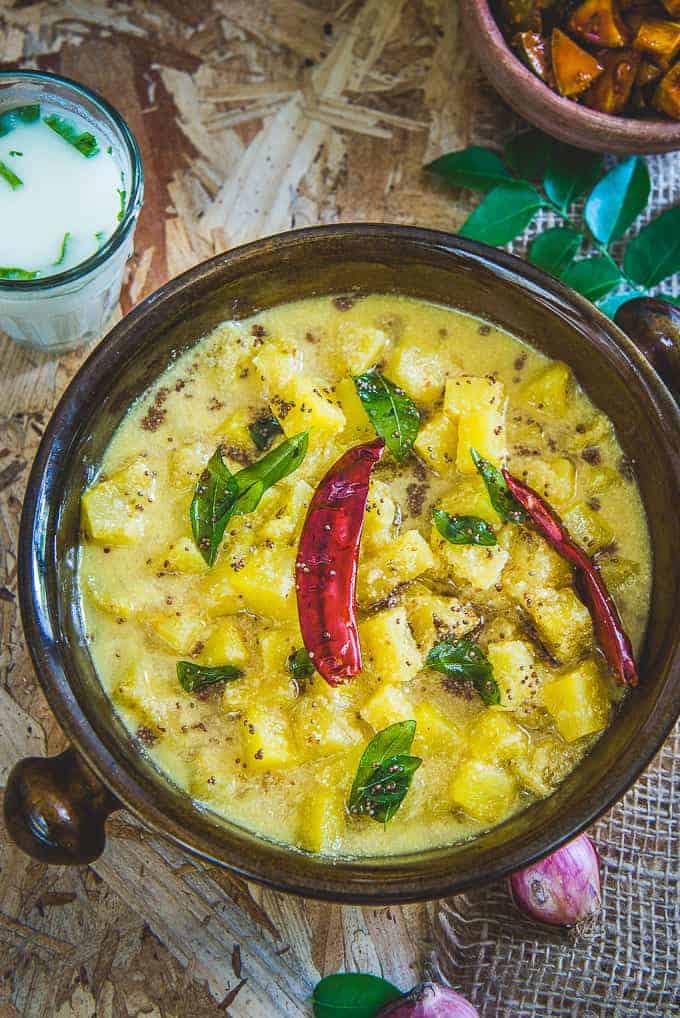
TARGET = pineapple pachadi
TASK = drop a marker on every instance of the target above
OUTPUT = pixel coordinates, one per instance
(275, 749)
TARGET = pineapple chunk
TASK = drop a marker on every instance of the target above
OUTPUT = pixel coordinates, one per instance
(267, 583)
(387, 706)
(494, 737)
(234, 429)
(312, 408)
(400, 561)
(147, 695)
(358, 427)
(618, 572)
(277, 363)
(379, 521)
(179, 630)
(276, 646)
(432, 617)
(483, 790)
(419, 371)
(218, 594)
(470, 498)
(587, 527)
(187, 463)
(113, 510)
(267, 742)
(480, 567)
(224, 646)
(322, 818)
(358, 347)
(562, 623)
(546, 764)
(290, 512)
(321, 727)
(479, 405)
(182, 556)
(437, 443)
(551, 390)
(116, 596)
(578, 702)
(554, 480)
(533, 564)
(389, 645)
(514, 668)
(212, 774)
(436, 732)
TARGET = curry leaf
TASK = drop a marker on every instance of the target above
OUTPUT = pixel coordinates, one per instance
(528, 154)
(392, 413)
(477, 168)
(62, 250)
(193, 677)
(300, 664)
(385, 772)
(463, 529)
(593, 277)
(554, 249)
(279, 462)
(10, 176)
(617, 200)
(505, 212)
(84, 141)
(500, 496)
(264, 430)
(464, 659)
(19, 115)
(654, 254)
(352, 995)
(570, 172)
(14, 273)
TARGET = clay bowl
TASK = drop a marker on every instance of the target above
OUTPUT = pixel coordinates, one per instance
(562, 118)
(56, 808)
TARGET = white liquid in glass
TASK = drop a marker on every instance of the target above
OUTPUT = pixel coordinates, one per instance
(62, 192)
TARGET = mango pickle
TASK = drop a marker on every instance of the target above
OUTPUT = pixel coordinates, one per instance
(533, 49)
(659, 39)
(611, 92)
(574, 68)
(667, 96)
(598, 22)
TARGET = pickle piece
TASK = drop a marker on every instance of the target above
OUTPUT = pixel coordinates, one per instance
(660, 39)
(574, 69)
(611, 92)
(598, 22)
(667, 95)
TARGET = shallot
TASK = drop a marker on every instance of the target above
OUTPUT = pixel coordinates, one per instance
(562, 890)
(429, 1000)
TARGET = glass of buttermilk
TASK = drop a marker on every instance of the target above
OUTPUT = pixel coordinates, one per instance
(71, 186)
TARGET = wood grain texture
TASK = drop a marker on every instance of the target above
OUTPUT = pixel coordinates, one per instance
(253, 116)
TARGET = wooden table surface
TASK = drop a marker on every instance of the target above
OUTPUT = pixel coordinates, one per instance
(253, 116)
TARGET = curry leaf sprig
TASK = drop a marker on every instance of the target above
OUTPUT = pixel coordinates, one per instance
(193, 677)
(537, 172)
(219, 494)
(385, 772)
(464, 659)
(392, 413)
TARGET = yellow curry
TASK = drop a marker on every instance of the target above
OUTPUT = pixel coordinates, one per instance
(443, 577)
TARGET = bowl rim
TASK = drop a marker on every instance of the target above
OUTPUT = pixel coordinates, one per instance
(391, 884)
(657, 132)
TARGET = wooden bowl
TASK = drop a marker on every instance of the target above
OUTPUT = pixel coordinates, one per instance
(56, 808)
(560, 117)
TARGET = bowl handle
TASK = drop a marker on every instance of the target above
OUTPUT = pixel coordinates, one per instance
(654, 327)
(56, 807)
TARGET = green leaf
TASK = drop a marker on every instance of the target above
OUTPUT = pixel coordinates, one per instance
(19, 115)
(617, 200)
(570, 172)
(385, 772)
(192, 677)
(463, 529)
(593, 277)
(62, 250)
(10, 176)
(610, 305)
(100, 238)
(505, 212)
(13, 152)
(500, 496)
(654, 254)
(352, 995)
(85, 142)
(528, 154)
(300, 665)
(122, 196)
(477, 168)
(555, 248)
(392, 413)
(7, 273)
(264, 430)
(464, 659)
(219, 494)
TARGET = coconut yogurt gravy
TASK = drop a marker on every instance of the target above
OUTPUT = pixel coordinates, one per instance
(276, 749)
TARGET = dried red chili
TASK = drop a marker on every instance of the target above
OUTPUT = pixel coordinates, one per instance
(589, 583)
(326, 566)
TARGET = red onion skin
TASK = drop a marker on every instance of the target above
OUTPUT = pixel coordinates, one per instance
(429, 1000)
(563, 889)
